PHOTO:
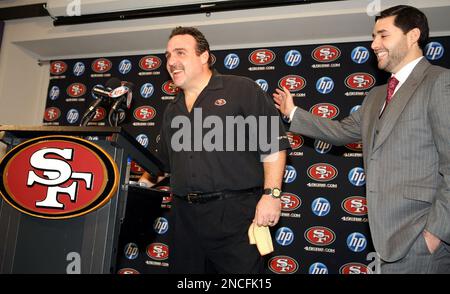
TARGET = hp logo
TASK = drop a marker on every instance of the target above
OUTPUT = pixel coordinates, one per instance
(142, 139)
(131, 251)
(72, 116)
(356, 242)
(78, 69)
(147, 90)
(293, 58)
(125, 66)
(54, 93)
(434, 51)
(231, 61)
(284, 236)
(360, 55)
(321, 206)
(318, 268)
(322, 147)
(355, 108)
(263, 84)
(161, 225)
(290, 174)
(324, 85)
(357, 176)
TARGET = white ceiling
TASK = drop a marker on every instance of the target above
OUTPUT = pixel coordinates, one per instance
(12, 3)
(338, 21)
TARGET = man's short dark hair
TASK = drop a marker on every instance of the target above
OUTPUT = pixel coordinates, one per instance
(202, 43)
(408, 18)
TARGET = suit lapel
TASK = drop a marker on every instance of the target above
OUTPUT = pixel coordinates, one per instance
(375, 108)
(398, 103)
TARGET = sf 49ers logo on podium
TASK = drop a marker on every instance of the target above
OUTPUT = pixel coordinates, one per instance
(57, 177)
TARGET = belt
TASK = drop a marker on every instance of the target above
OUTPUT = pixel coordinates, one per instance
(201, 197)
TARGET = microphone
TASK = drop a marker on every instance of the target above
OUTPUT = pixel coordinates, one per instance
(130, 93)
(122, 94)
(100, 93)
(119, 93)
(99, 90)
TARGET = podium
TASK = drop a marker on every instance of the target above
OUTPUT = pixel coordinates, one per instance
(50, 240)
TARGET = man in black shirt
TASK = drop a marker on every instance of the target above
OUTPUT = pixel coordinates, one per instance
(222, 142)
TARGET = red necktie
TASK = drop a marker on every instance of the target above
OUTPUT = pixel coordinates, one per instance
(392, 84)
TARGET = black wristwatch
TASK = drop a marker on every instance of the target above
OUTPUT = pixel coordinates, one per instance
(275, 192)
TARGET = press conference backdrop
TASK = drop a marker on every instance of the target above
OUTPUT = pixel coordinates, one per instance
(324, 225)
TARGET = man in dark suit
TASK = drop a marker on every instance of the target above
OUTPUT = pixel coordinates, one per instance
(405, 132)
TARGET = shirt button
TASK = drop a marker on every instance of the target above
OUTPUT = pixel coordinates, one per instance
(191, 156)
(193, 175)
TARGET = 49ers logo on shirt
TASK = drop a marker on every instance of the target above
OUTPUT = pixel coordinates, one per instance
(169, 88)
(261, 57)
(57, 177)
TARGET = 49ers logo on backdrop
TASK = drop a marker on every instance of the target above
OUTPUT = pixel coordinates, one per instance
(58, 67)
(326, 53)
(150, 62)
(262, 57)
(293, 83)
(57, 177)
(360, 81)
(101, 65)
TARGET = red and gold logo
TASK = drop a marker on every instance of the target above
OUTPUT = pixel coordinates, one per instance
(57, 177)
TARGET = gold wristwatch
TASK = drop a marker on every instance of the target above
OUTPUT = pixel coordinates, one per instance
(274, 192)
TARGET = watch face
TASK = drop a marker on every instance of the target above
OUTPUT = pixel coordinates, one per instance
(276, 192)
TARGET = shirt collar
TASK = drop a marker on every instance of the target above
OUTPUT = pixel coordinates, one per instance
(216, 82)
(403, 74)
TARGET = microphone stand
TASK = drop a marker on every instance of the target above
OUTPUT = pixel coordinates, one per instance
(90, 112)
(114, 116)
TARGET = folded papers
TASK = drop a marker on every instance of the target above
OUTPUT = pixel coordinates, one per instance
(260, 236)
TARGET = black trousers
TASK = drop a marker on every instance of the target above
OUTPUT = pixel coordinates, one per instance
(211, 237)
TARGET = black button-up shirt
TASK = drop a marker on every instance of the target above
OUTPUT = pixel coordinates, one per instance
(211, 148)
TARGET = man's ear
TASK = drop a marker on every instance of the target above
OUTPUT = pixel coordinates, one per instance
(413, 36)
(204, 57)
